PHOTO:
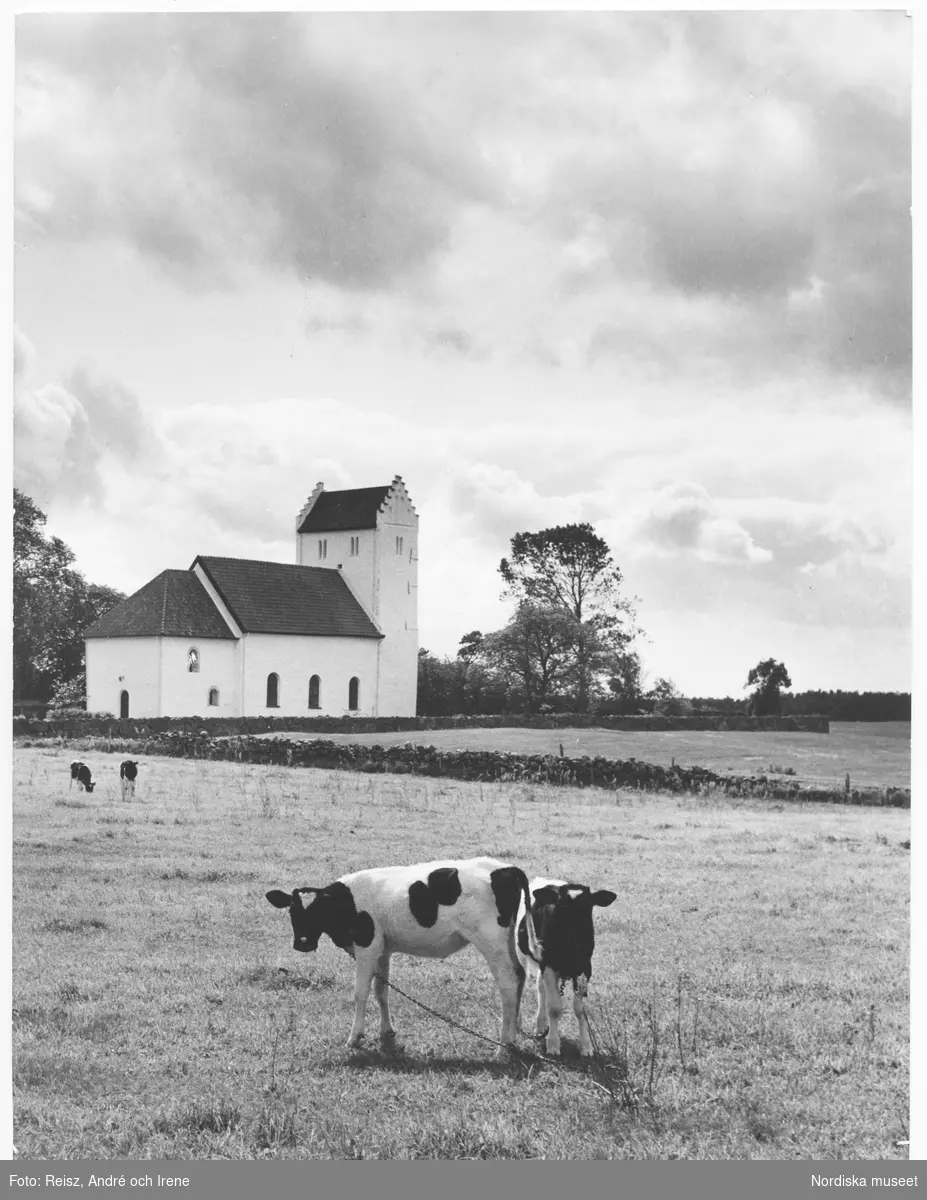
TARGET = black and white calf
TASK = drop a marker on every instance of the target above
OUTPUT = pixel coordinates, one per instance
(430, 911)
(561, 914)
(81, 772)
(128, 773)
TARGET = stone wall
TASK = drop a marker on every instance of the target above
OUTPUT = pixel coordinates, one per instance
(235, 726)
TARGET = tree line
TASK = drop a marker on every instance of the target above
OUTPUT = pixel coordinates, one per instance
(838, 705)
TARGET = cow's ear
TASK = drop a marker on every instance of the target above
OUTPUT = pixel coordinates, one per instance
(546, 895)
(603, 898)
(280, 899)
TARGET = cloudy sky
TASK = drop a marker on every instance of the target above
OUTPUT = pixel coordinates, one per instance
(650, 271)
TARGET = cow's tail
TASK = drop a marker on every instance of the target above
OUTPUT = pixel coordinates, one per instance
(534, 946)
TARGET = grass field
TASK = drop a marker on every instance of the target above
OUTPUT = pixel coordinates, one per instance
(873, 753)
(750, 990)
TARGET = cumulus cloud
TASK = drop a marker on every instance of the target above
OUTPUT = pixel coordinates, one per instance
(65, 433)
(683, 519)
(497, 502)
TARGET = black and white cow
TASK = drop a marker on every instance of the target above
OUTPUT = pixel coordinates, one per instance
(431, 910)
(128, 773)
(81, 772)
(561, 914)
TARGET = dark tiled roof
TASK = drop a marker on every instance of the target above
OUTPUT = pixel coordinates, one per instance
(355, 508)
(268, 597)
(175, 604)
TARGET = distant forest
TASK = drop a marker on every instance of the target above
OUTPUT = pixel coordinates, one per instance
(839, 706)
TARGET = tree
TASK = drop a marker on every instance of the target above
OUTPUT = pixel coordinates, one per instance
(52, 605)
(569, 569)
(470, 645)
(663, 689)
(767, 679)
(464, 684)
(434, 686)
(534, 652)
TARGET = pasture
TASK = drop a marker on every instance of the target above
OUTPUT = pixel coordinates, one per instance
(875, 753)
(749, 996)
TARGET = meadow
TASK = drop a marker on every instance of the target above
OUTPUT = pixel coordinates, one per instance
(876, 753)
(749, 999)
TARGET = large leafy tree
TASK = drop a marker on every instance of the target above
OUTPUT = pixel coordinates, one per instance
(569, 569)
(767, 679)
(52, 605)
(534, 652)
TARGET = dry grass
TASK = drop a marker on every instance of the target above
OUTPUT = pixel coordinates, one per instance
(750, 991)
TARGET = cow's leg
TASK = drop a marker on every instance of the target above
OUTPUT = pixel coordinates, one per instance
(554, 1010)
(363, 977)
(381, 991)
(123, 784)
(580, 988)
(541, 1023)
(519, 975)
(531, 973)
(509, 974)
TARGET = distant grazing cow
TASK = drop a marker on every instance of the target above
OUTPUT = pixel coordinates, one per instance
(81, 772)
(128, 773)
(431, 911)
(562, 919)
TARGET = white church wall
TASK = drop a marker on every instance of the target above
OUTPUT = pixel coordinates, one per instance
(115, 665)
(359, 568)
(294, 660)
(185, 693)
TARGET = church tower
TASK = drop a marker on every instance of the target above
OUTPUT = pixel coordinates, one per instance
(370, 535)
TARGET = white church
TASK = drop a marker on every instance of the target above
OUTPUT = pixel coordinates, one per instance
(335, 634)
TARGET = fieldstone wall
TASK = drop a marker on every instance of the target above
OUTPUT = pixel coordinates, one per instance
(75, 726)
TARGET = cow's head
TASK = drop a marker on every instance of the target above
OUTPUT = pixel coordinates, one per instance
(308, 919)
(563, 920)
(331, 910)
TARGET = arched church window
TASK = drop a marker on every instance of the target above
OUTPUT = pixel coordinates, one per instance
(354, 694)
(213, 697)
(273, 688)
(315, 685)
(193, 659)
